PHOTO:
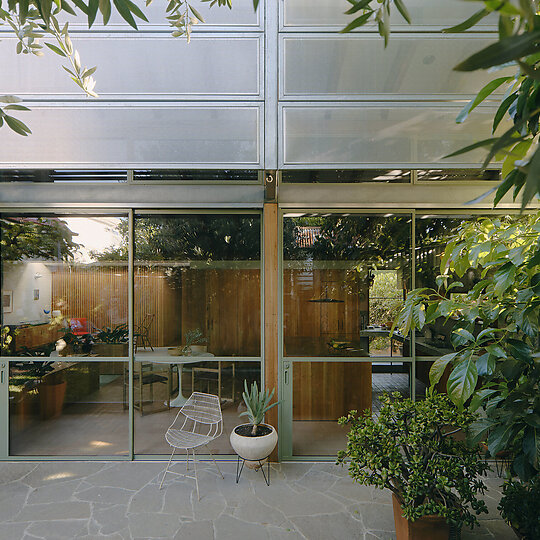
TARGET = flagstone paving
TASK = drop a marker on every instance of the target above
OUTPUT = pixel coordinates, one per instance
(119, 501)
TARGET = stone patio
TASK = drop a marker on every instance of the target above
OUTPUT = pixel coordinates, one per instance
(121, 500)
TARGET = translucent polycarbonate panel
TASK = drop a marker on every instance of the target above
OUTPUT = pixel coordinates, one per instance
(146, 65)
(331, 13)
(329, 66)
(414, 134)
(242, 14)
(61, 296)
(345, 277)
(135, 135)
(68, 407)
(167, 382)
(325, 391)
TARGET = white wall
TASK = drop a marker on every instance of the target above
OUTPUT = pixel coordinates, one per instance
(22, 278)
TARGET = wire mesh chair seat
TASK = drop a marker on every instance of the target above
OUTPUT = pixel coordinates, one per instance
(196, 424)
(182, 440)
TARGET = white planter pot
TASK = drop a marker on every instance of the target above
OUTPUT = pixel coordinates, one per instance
(253, 449)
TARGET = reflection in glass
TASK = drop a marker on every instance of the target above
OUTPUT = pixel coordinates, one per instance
(195, 175)
(162, 396)
(64, 176)
(197, 297)
(67, 407)
(63, 302)
(345, 176)
(458, 175)
(345, 278)
(325, 391)
(64, 298)
(433, 232)
(197, 282)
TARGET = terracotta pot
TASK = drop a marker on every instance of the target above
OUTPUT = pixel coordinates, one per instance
(51, 397)
(425, 528)
(253, 449)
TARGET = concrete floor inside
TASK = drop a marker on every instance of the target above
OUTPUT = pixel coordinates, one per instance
(99, 425)
(122, 500)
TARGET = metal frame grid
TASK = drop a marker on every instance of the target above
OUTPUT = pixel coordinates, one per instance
(130, 214)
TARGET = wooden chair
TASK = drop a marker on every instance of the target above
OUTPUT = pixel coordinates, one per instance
(208, 369)
(142, 332)
(147, 374)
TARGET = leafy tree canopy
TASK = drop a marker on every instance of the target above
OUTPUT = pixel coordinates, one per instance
(194, 237)
(496, 332)
(36, 238)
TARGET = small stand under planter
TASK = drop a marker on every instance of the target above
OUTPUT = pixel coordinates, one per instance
(239, 468)
(254, 450)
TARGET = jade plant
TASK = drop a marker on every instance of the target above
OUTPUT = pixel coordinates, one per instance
(412, 450)
(257, 403)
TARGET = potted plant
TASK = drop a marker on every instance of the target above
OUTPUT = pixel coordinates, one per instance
(519, 507)
(112, 341)
(255, 441)
(193, 343)
(194, 340)
(410, 450)
(51, 386)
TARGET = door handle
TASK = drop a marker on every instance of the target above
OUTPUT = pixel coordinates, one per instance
(286, 373)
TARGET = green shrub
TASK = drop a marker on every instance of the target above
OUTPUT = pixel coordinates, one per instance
(409, 449)
(520, 507)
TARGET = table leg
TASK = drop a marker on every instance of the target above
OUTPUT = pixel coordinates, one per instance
(180, 399)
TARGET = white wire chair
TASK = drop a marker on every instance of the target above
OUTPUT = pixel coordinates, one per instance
(197, 423)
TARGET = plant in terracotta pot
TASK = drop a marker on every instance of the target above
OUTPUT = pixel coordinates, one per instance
(411, 450)
(255, 441)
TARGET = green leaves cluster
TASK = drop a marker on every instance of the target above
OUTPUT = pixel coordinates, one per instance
(375, 11)
(409, 449)
(257, 403)
(32, 20)
(496, 332)
(118, 334)
(518, 45)
(36, 238)
(519, 507)
(13, 105)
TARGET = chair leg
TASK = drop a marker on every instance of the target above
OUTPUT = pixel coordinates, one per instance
(167, 468)
(196, 477)
(187, 460)
(233, 379)
(215, 463)
(219, 382)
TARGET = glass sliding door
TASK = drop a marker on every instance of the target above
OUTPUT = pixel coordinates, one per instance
(345, 276)
(197, 309)
(65, 305)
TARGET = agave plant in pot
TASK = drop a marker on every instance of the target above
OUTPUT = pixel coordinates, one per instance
(255, 441)
(411, 449)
